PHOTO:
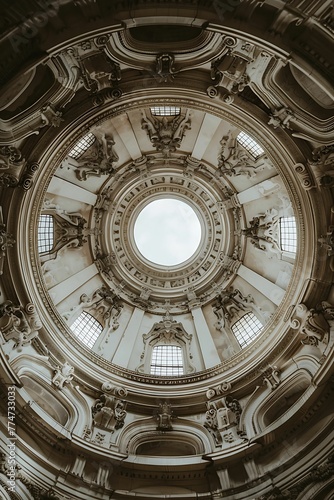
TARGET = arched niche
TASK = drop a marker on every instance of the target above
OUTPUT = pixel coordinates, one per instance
(44, 398)
(141, 438)
(285, 399)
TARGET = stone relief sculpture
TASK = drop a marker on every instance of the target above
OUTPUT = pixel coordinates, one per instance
(69, 230)
(63, 375)
(229, 72)
(103, 304)
(263, 231)
(322, 164)
(98, 160)
(271, 377)
(234, 160)
(109, 413)
(222, 420)
(166, 132)
(230, 305)
(20, 323)
(167, 331)
(311, 323)
(11, 164)
(164, 417)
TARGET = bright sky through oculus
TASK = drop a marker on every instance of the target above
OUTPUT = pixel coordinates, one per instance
(167, 232)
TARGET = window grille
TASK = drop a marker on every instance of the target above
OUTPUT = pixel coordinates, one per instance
(87, 329)
(165, 110)
(167, 360)
(248, 143)
(45, 233)
(288, 234)
(246, 329)
(82, 145)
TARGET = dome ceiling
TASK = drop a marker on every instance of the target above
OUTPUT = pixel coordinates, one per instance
(191, 378)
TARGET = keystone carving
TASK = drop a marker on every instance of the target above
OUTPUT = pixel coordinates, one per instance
(230, 71)
(164, 417)
(63, 375)
(165, 67)
(166, 132)
(109, 413)
(271, 377)
(19, 323)
(222, 420)
(281, 118)
(50, 116)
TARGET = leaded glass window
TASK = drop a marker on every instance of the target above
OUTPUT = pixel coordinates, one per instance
(288, 234)
(82, 145)
(165, 110)
(248, 143)
(167, 360)
(45, 233)
(87, 329)
(246, 329)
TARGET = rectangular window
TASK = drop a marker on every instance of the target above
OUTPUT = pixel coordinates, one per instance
(246, 329)
(87, 329)
(82, 145)
(45, 233)
(165, 110)
(288, 234)
(167, 360)
(248, 143)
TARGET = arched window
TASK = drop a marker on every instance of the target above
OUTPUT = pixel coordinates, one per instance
(45, 233)
(82, 145)
(87, 329)
(246, 329)
(288, 234)
(165, 111)
(167, 360)
(248, 143)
